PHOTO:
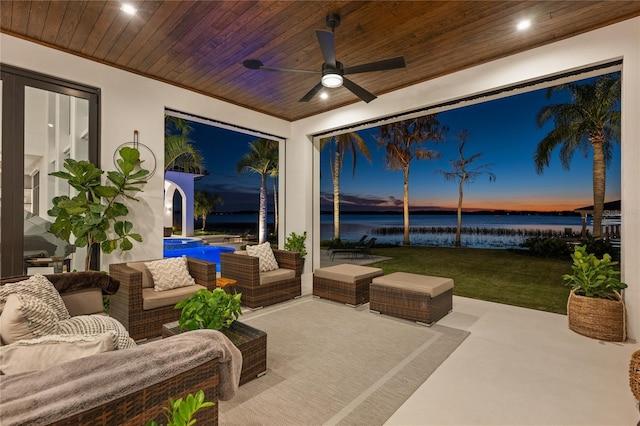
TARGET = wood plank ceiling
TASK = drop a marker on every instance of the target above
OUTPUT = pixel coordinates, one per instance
(200, 45)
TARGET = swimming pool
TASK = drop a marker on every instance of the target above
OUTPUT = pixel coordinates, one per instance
(193, 247)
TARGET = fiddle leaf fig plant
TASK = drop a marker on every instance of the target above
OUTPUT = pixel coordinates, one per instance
(93, 214)
(593, 277)
(214, 310)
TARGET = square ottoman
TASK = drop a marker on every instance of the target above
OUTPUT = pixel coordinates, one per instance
(344, 283)
(421, 298)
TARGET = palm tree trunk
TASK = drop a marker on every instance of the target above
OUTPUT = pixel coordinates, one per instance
(275, 206)
(459, 226)
(406, 241)
(262, 220)
(336, 195)
(599, 171)
(204, 221)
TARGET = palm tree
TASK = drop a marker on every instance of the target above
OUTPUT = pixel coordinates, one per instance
(179, 152)
(260, 159)
(463, 175)
(591, 120)
(402, 141)
(203, 204)
(340, 146)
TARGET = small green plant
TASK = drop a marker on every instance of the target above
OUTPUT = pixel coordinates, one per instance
(296, 242)
(214, 310)
(181, 411)
(593, 277)
(89, 216)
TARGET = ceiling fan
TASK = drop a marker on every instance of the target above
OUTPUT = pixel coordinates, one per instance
(333, 72)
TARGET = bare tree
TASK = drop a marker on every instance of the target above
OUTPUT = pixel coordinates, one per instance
(463, 174)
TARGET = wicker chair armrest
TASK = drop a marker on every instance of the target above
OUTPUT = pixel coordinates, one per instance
(203, 272)
(240, 267)
(130, 279)
(289, 260)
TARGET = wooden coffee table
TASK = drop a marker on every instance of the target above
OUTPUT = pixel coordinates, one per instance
(251, 342)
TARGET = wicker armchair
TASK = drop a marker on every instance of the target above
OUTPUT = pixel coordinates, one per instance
(127, 304)
(245, 270)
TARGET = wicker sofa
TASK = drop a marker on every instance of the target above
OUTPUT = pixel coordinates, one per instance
(264, 288)
(124, 387)
(128, 304)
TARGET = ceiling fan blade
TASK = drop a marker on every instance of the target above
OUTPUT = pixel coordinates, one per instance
(327, 45)
(357, 90)
(311, 93)
(255, 64)
(385, 64)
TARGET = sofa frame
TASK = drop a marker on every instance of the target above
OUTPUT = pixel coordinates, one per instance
(127, 304)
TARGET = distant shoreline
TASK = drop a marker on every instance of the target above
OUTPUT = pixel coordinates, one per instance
(471, 212)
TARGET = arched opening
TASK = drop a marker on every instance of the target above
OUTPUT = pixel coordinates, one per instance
(175, 208)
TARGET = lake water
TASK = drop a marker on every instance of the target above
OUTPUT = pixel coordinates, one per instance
(486, 231)
(514, 229)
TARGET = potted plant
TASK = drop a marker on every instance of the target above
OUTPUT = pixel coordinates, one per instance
(180, 412)
(92, 215)
(296, 242)
(596, 307)
(214, 310)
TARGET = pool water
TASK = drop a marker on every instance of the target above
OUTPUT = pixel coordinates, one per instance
(191, 247)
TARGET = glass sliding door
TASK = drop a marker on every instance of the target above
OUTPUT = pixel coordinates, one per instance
(45, 122)
(55, 128)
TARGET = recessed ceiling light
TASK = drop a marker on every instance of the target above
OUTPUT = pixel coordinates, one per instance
(523, 25)
(324, 95)
(127, 8)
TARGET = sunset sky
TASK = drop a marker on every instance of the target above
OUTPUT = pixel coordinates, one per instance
(503, 130)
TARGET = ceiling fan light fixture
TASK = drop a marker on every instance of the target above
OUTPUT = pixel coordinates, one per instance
(331, 80)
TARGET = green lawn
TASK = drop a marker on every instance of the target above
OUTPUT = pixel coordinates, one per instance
(494, 275)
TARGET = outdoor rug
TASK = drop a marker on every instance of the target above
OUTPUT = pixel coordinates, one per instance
(329, 363)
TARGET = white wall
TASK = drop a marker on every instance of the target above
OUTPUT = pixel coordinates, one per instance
(131, 102)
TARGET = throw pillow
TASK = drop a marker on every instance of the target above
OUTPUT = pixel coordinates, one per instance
(47, 351)
(26, 317)
(96, 324)
(37, 286)
(264, 253)
(170, 273)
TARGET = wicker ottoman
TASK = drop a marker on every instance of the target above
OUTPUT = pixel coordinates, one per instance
(344, 283)
(421, 298)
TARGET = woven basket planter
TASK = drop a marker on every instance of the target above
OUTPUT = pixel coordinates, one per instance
(597, 318)
(634, 374)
